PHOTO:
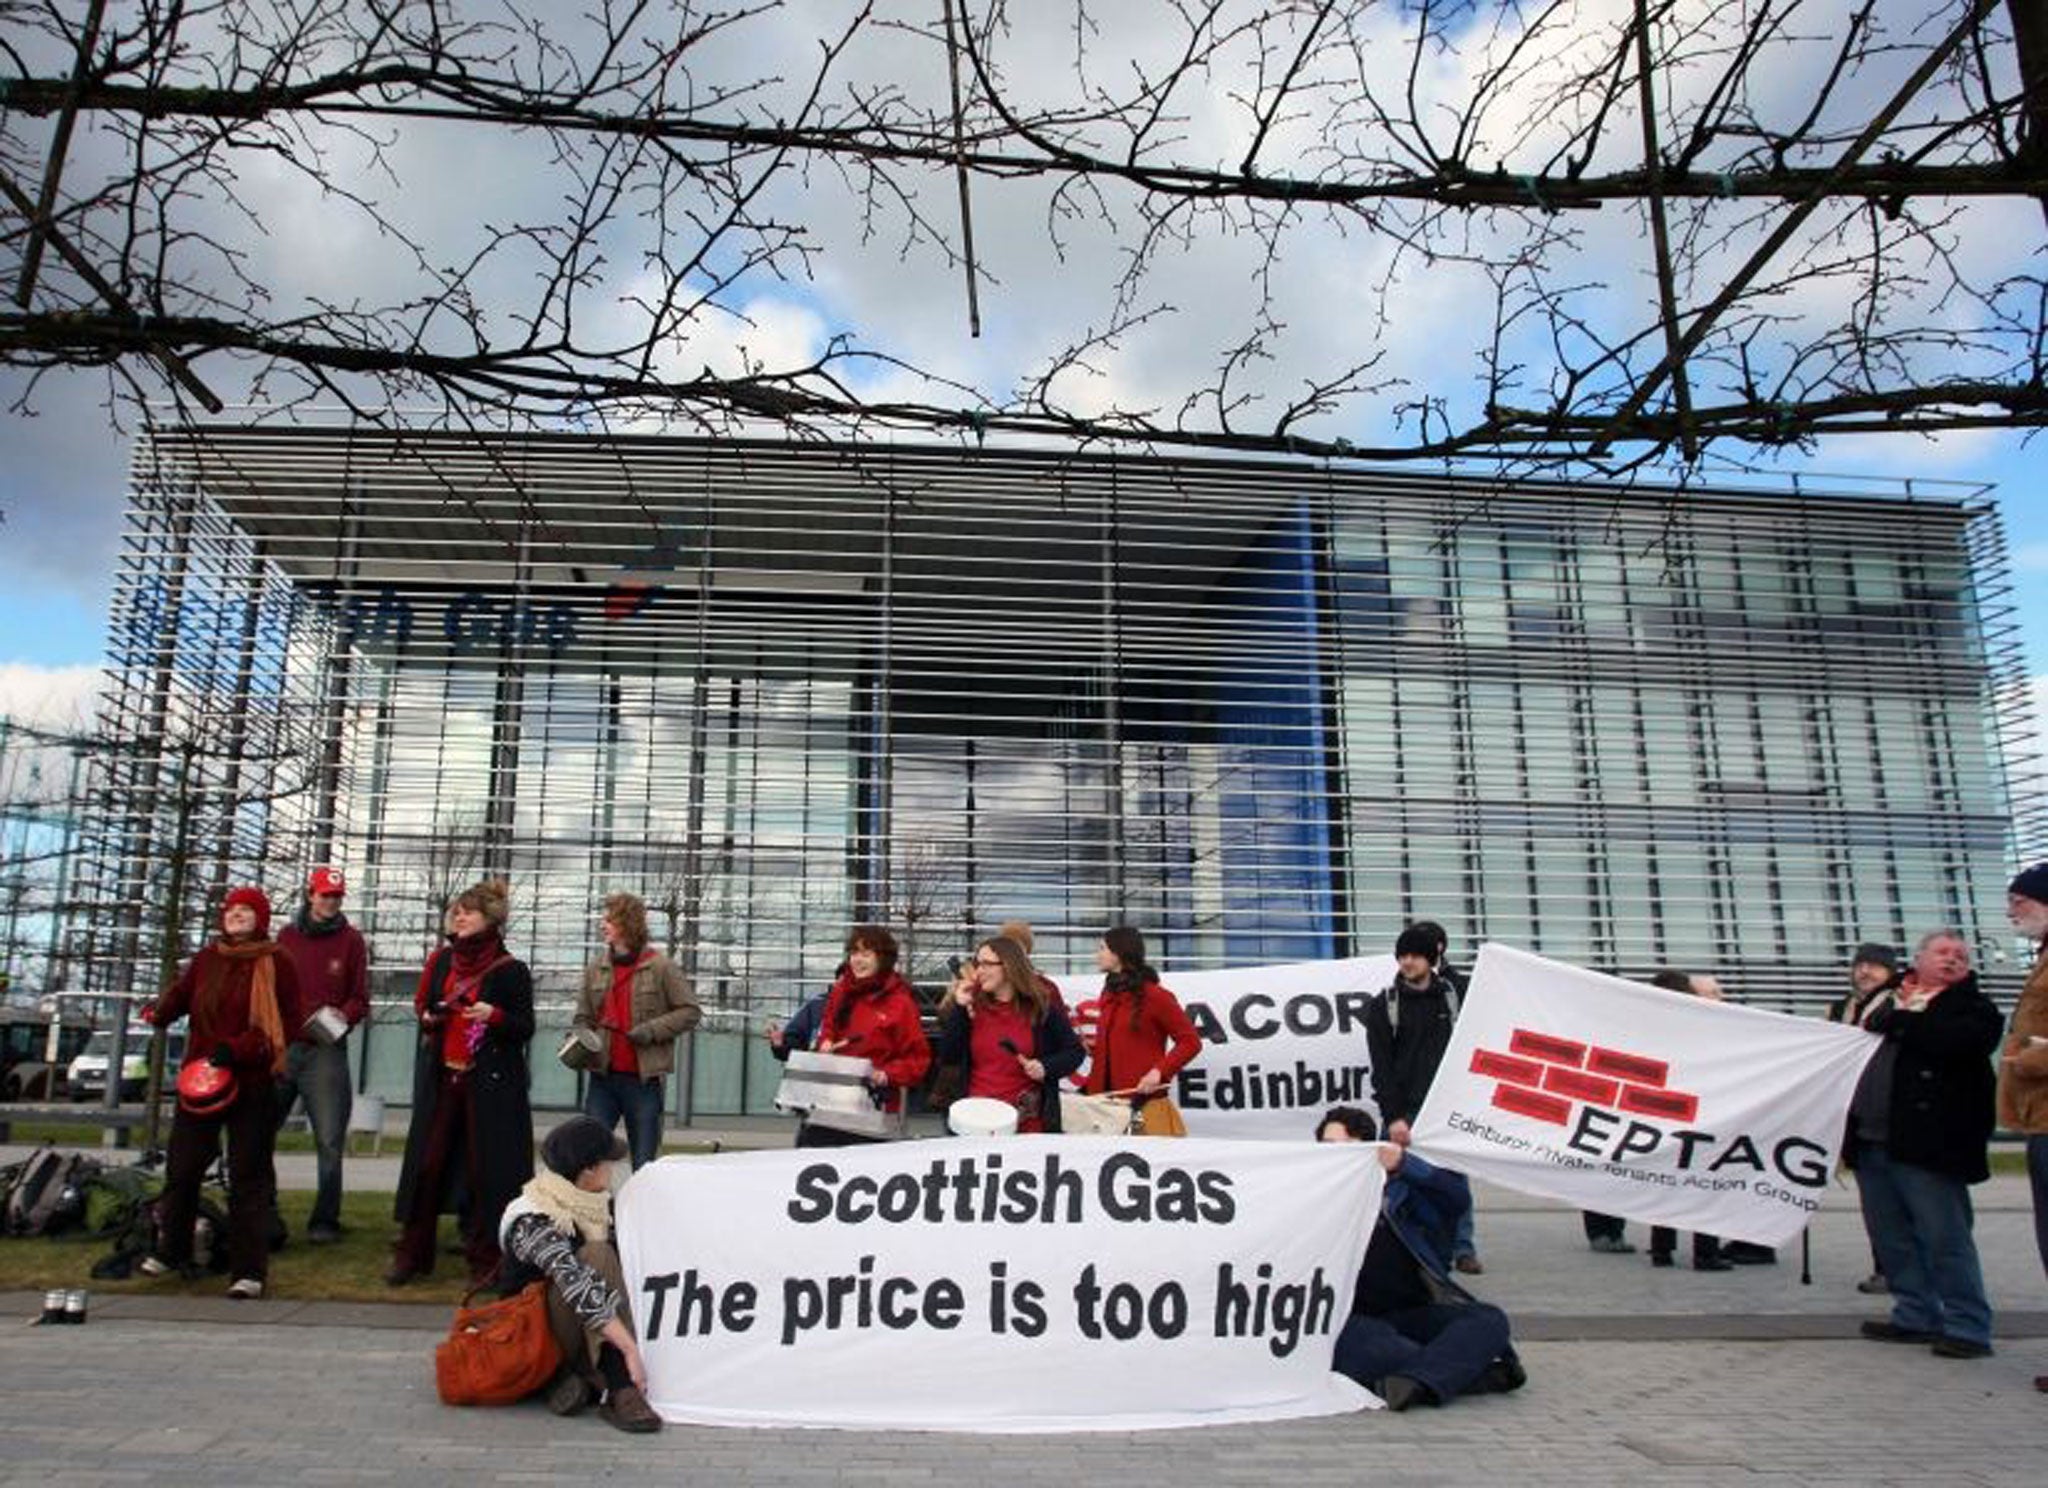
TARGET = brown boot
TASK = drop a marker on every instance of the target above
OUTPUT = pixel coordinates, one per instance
(627, 1409)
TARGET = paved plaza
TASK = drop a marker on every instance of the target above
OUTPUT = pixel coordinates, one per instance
(1636, 1376)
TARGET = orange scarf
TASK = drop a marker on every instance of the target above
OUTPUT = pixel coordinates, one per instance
(263, 1010)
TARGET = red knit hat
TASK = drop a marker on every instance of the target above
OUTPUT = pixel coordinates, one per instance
(253, 897)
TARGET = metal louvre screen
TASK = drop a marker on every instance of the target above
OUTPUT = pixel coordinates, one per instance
(1266, 712)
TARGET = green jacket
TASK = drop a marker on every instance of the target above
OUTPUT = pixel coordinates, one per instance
(664, 1009)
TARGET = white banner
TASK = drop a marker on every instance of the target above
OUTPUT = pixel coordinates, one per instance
(1648, 1104)
(1029, 1284)
(1280, 1044)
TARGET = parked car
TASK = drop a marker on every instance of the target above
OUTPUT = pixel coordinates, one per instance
(88, 1076)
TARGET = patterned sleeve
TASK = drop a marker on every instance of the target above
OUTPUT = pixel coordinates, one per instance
(535, 1242)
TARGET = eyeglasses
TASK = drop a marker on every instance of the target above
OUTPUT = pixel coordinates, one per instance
(994, 965)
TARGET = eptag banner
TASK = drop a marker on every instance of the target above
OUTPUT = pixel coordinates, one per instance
(1030, 1284)
(1280, 1044)
(1634, 1101)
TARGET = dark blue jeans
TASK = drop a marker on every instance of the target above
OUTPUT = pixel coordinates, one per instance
(1445, 1345)
(1463, 1240)
(1920, 1222)
(611, 1096)
(317, 1074)
(2037, 1171)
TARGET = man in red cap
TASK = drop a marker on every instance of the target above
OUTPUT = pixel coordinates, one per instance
(333, 971)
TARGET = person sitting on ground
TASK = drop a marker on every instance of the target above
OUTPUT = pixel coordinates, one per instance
(1415, 1337)
(559, 1229)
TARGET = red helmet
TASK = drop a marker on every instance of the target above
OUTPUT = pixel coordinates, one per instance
(205, 1088)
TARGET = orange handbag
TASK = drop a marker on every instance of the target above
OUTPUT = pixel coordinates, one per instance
(498, 1353)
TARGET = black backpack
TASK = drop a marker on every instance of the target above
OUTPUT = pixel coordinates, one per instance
(47, 1193)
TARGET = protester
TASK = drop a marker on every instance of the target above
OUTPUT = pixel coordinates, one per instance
(800, 1031)
(1919, 1123)
(235, 992)
(1874, 969)
(1606, 1234)
(871, 1013)
(1465, 1244)
(1014, 1044)
(1407, 1028)
(1706, 1249)
(332, 970)
(470, 1118)
(559, 1229)
(2023, 1062)
(1414, 1336)
(642, 1001)
(1142, 1035)
(1020, 932)
(1707, 987)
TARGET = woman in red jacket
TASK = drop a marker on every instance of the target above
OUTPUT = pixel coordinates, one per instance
(1142, 1035)
(234, 991)
(871, 1013)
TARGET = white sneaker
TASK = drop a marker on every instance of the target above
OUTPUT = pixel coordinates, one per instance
(151, 1266)
(245, 1288)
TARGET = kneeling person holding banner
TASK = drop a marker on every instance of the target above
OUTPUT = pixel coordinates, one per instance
(559, 1230)
(1415, 1337)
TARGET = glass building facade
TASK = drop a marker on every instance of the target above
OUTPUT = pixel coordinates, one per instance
(1267, 712)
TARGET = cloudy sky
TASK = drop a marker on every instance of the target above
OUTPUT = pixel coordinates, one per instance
(1338, 295)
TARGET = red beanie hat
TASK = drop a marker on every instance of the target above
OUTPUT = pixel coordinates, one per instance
(254, 898)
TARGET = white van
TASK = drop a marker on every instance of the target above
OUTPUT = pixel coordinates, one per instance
(87, 1079)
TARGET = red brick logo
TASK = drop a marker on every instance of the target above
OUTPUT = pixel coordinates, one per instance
(1541, 1075)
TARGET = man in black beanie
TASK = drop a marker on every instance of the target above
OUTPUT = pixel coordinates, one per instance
(1873, 975)
(1407, 1029)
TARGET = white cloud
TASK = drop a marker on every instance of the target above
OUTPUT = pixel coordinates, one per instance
(49, 697)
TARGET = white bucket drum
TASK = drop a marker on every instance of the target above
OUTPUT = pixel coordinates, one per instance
(979, 1116)
(582, 1049)
(327, 1026)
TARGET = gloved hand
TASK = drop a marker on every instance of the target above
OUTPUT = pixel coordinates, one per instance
(640, 1036)
(147, 1013)
(222, 1056)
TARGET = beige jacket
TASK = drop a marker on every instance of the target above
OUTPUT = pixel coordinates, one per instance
(664, 1009)
(2023, 1068)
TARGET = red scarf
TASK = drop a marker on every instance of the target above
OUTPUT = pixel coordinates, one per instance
(847, 990)
(618, 1013)
(470, 959)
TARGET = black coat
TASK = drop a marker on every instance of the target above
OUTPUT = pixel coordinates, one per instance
(1943, 1088)
(500, 1117)
(1059, 1049)
(1407, 1030)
